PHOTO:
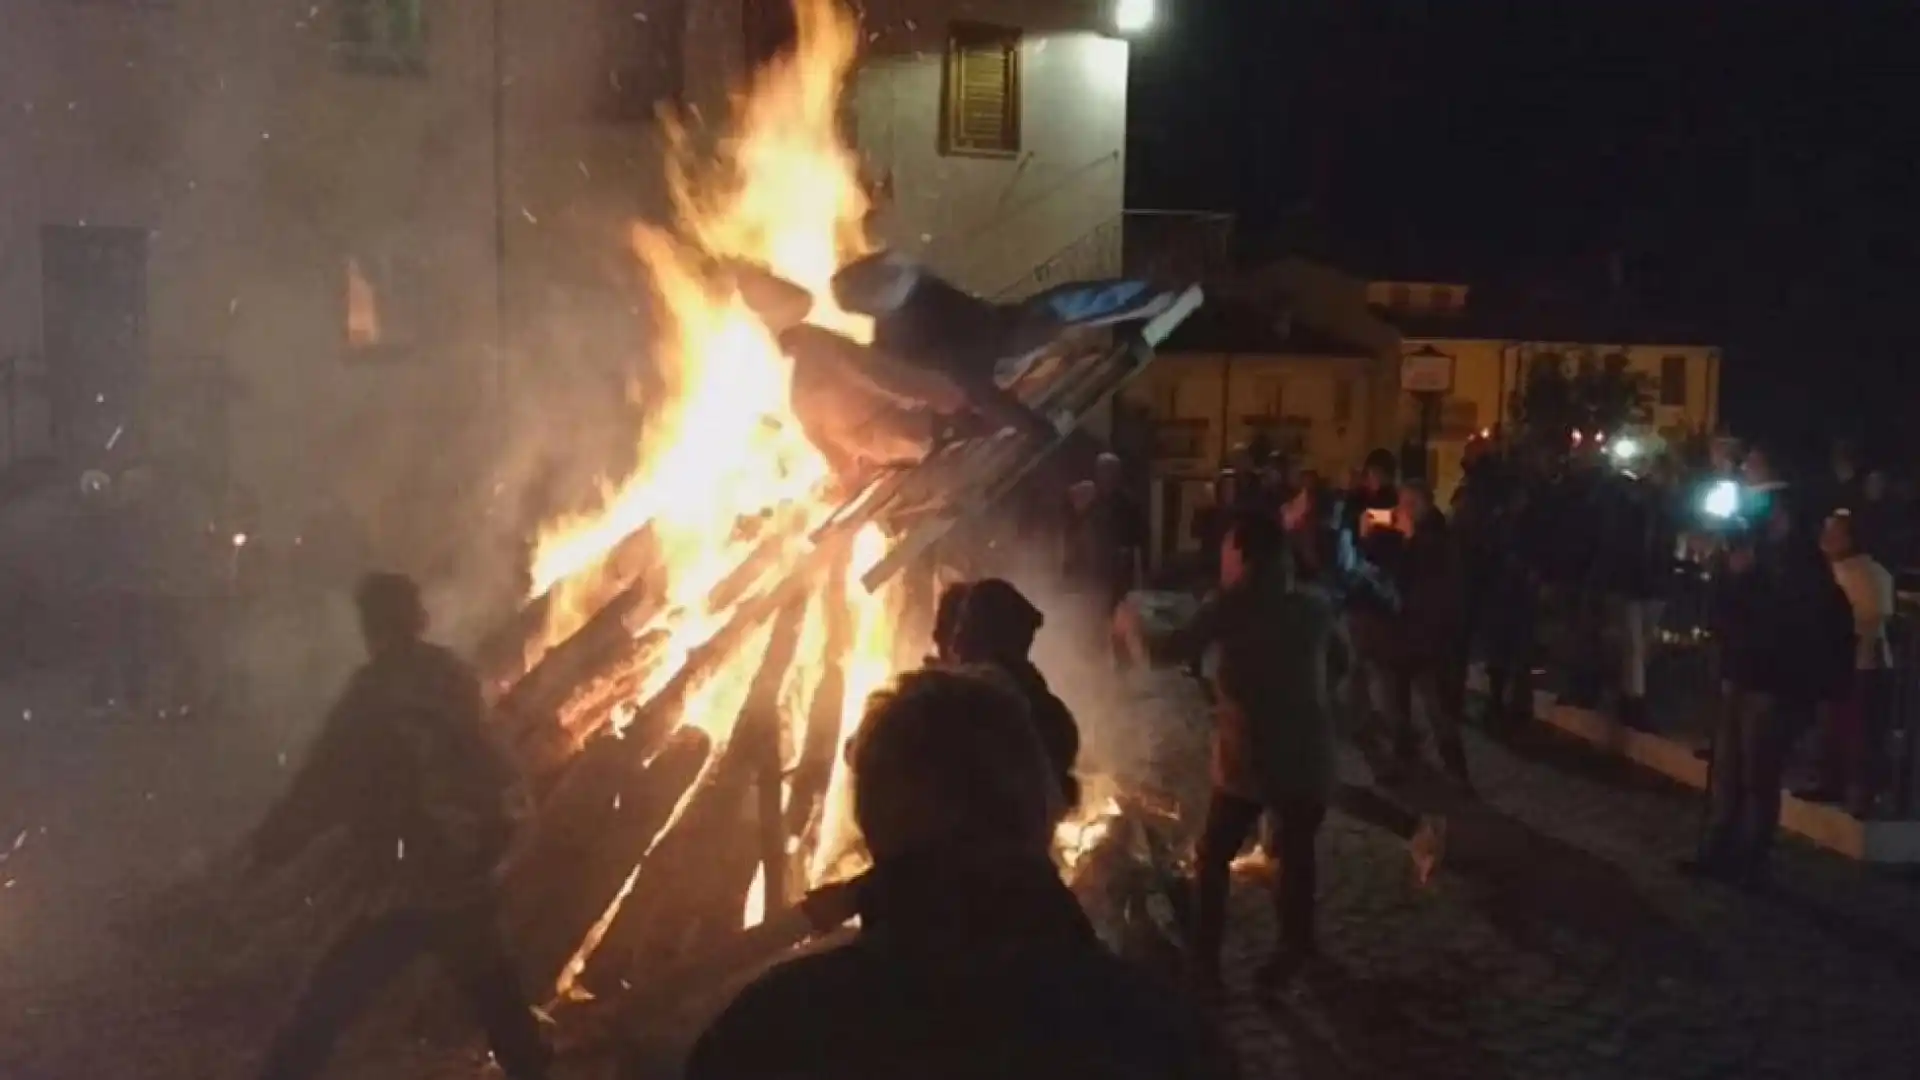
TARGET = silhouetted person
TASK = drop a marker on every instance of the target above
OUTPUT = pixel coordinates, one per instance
(973, 959)
(1281, 653)
(1786, 639)
(1106, 550)
(1373, 490)
(1854, 723)
(994, 628)
(403, 766)
(946, 622)
(1410, 653)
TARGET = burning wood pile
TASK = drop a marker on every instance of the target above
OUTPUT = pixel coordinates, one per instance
(681, 686)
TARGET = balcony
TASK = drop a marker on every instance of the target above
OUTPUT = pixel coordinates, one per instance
(1187, 245)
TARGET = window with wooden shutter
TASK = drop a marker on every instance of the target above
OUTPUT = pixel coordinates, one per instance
(982, 115)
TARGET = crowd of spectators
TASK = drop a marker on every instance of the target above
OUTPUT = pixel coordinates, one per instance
(1577, 561)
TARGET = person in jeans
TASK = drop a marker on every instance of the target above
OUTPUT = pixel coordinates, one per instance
(1786, 635)
(1412, 651)
(1852, 731)
(1633, 569)
(1282, 651)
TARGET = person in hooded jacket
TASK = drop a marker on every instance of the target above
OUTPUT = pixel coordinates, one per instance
(993, 627)
(973, 959)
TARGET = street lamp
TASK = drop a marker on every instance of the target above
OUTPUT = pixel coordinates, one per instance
(1133, 16)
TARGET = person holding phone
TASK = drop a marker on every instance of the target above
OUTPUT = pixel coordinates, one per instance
(1409, 651)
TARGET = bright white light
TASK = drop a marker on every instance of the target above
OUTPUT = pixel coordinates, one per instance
(239, 539)
(1722, 501)
(1625, 447)
(1132, 16)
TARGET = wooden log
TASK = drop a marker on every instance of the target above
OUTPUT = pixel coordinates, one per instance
(815, 767)
(690, 988)
(759, 740)
(694, 885)
(566, 871)
(578, 682)
(503, 657)
(658, 714)
(510, 652)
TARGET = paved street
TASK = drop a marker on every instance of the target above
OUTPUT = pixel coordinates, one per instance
(1556, 942)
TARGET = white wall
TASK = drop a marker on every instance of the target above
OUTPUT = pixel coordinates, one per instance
(222, 129)
(226, 128)
(989, 222)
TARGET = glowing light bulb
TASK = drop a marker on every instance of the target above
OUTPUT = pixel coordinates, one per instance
(1722, 500)
(1133, 16)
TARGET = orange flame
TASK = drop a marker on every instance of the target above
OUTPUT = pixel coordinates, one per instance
(363, 308)
(724, 467)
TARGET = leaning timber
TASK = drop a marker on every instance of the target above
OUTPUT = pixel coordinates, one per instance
(505, 656)
(567, 870)
(694, 885)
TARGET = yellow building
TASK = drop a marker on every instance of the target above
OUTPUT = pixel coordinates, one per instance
(1237, 375)
(1315, 363)
(1487, 356)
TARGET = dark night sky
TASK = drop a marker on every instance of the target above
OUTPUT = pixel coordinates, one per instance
(1756, 166)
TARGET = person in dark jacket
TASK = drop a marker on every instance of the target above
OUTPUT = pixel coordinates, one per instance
(1510, 607)
(946, 622)
(994, 627)
(1410, 652)
(973, 959)
(1786, 638)
(403, 766)
(1633, 570)
(1283, 652)
(1373, 491)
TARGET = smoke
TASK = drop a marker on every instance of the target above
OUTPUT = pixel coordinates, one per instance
(1133, 723)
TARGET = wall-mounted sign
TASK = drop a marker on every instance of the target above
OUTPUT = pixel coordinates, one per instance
(1426, 370)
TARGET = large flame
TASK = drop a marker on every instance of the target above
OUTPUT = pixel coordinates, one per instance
(725, 472)
(726, 478)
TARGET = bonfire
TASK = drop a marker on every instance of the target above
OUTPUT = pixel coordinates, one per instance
(695, 650)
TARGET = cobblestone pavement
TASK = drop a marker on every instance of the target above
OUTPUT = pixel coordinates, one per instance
(1559, 941)
(1556, 942)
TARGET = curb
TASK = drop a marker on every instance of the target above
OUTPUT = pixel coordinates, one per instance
(1891, 843)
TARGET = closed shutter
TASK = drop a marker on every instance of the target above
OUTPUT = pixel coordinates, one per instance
(983, 91)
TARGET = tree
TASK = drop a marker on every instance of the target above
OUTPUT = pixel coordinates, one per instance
(1561, 396)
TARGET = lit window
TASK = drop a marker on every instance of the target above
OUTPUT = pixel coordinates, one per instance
(982, 114)
(387, 37)
(378, 293)
(1399, 298)
(1442, 298)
